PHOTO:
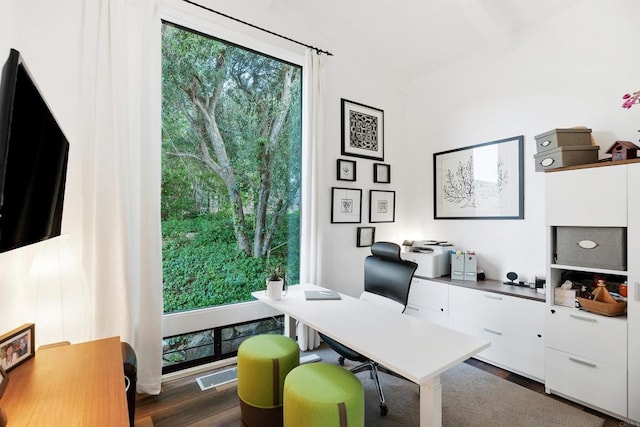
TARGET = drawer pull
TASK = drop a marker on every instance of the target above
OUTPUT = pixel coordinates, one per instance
(493, 297)
(582, 362)
(545, 143)
(587, 244)
(412, 308)
(586, 319)
(547, 162)
(491, 331)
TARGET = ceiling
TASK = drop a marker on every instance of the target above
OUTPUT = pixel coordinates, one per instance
(409, 36)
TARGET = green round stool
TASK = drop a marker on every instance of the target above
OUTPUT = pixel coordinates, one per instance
(263, 363)
(323, 395)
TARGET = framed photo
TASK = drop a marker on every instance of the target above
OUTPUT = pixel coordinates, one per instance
(346, 170)
(483, 181)
(362, 130)
(17, 346)
(346, 205)
(366, 236)
(382, 206)
(4, 379)
(382, 173)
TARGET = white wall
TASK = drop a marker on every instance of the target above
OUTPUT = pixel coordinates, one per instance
(569, 70)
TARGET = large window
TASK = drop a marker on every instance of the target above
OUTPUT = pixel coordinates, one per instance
(231, 158)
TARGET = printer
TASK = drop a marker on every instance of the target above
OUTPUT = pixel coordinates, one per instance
(432, 256)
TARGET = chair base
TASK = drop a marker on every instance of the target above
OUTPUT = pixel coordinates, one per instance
(372, 367)
(260, 417)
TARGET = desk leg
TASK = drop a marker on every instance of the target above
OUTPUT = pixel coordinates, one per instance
(431, 403)
(290, 326)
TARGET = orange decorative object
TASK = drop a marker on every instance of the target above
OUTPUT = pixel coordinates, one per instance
(622, 290)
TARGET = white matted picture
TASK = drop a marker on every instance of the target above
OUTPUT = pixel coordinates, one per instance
(382, 173)
(346, 205)
(346, 170)
(366, 236)
(362, 130)
(382, 206)
(483, 181)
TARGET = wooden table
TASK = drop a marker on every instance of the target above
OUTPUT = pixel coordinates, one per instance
(414, 348)
(72, 385)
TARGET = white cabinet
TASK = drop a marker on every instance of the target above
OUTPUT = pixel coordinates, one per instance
(586, 353)
(429, 300)
(633, 300)
(514, 326)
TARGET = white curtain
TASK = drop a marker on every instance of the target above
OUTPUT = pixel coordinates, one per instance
(312, 125)
(120, 143)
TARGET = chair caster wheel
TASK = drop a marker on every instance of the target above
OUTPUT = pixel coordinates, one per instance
(383, 410)
(341, 361)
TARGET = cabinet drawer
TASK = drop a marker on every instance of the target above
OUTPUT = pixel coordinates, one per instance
(589, 335)
(429, 294)
(435, 316)
(596, 383)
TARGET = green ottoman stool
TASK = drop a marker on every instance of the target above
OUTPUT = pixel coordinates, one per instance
(263, 363)
(323, 395)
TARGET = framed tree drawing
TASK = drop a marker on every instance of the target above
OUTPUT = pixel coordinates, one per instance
(483, 181)
(382, 206)
(362, 130)
(346, 170)
(346, 205)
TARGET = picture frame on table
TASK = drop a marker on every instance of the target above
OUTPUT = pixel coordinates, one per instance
(366, 236)
(382, 206)
(382, 173)
(346, 170)
(17, 346)
(483, 181)
(362, 130)
(346, 205)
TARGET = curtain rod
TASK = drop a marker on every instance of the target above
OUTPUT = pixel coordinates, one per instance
(317, 49)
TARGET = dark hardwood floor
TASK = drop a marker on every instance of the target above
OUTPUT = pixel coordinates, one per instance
(181, 402)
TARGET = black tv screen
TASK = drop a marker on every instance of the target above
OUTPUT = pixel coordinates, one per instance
(33, 160)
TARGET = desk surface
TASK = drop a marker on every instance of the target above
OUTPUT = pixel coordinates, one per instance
(73, 385)
(414, 348)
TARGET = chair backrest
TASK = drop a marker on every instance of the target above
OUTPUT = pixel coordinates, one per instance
(387, 274)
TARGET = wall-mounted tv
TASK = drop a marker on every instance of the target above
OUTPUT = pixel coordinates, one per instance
(33, 160)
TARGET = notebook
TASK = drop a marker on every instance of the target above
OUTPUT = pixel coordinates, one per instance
(320, 295)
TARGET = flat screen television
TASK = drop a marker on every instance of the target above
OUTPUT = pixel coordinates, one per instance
(33, 160)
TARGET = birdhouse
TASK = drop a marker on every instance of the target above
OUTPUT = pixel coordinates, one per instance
(623, 150)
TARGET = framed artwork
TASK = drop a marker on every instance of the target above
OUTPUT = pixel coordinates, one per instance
(366, 236)
(483, 181)
(346, 205)
(382, 173)
(382, 206)
(17, 346)
(346, 170)
(4, 379)
(362, 130)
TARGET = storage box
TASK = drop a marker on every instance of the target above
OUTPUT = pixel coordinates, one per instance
(457, 266)
(566, 156)
(566, 297)
(470, 267)
(562, 138)
(596, 247)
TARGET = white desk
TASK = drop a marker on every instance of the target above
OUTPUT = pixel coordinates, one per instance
(416, 349)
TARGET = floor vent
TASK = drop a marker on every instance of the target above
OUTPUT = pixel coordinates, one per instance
(217, 379)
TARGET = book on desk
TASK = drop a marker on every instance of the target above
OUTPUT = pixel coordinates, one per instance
(321, 295)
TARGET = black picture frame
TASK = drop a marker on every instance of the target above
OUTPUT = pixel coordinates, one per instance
(382, 206)
(382, 173)
(4, 379)
(345, 170)
(17, 346)
(483, 181)
(366, 236)
(346, 205)
(362, 130)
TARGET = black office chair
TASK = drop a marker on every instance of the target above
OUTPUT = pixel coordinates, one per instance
(387, 278)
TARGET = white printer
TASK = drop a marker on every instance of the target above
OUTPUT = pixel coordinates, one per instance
(432, 256)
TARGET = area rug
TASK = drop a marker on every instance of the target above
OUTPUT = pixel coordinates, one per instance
(470, 397)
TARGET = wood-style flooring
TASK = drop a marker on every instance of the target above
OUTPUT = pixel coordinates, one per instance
(181, 403)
